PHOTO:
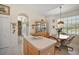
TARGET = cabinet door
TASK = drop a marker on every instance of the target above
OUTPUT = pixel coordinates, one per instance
(48, 51)
(4, 32)
(32, 50)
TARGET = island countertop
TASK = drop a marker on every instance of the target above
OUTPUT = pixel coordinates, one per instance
(40, 42)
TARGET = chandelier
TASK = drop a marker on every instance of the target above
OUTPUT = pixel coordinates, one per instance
(60, 22)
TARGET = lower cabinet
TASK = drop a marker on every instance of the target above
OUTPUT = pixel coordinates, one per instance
(47, 51)
(29, 49)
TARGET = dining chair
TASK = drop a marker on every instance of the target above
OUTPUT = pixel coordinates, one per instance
(67, 42)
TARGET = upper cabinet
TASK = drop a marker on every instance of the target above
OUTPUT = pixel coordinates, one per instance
(40, 28)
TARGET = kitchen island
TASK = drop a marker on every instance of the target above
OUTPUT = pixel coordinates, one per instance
(38, 45)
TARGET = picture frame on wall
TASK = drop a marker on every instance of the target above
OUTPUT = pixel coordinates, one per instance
(5, 10)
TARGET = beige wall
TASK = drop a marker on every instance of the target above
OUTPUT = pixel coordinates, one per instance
(51, 23)
(16, 9)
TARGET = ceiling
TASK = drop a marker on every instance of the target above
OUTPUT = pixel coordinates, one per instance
(52, 9)
(65, 9)
(43, 8)
(49, 9)
(37, 8)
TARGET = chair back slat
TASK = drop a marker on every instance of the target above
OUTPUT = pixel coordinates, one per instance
(70, 39)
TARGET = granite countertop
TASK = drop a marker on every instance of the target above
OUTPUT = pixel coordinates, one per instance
(40, 42)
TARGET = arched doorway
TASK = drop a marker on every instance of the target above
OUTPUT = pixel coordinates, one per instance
(23, 30)
(23, 25)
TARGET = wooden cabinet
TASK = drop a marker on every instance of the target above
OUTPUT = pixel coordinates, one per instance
(44, 34)
(29, 49)
(40, 28)
(48, 51)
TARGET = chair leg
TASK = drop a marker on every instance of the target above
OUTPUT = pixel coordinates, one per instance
(66, 47)
(70, 48)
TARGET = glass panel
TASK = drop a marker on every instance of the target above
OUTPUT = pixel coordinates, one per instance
(77, 25)
(38, 27)
(71, 25)
(41, 27)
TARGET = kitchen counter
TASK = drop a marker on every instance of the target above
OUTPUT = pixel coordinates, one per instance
(40, 42)
(38, 45)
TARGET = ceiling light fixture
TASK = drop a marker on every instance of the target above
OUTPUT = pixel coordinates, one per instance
(60, 21)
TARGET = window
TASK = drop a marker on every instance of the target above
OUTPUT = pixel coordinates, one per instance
(71, 25)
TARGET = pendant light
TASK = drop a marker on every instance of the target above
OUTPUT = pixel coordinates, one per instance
(60, 21)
